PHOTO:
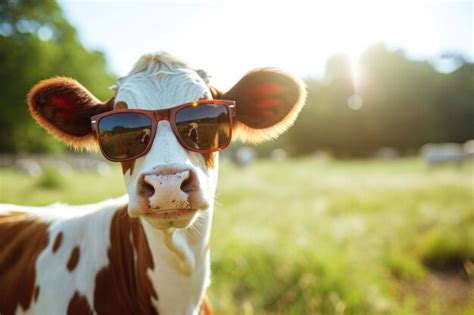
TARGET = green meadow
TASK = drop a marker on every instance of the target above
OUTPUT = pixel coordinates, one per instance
(311, 237)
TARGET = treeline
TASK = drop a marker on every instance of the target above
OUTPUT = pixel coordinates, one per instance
(392, 101)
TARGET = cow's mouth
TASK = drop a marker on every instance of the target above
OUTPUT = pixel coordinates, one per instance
(173, 218)
(171, 214)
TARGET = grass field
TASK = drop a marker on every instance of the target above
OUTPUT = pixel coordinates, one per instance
(307, 237)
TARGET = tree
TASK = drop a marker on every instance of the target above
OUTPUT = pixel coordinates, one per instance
(37, 42)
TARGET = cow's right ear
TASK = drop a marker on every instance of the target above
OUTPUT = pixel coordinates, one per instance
(268, 101)
(64, 107)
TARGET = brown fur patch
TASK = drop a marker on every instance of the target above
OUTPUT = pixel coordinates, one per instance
(120, 105)
(23, 238)
(73, 259)
(64, 107)
(78, 305)
(37, 292)
(216, 94)
(57, 242)
(123, 287)
(209, 159)
(206, 307)
(128, 165)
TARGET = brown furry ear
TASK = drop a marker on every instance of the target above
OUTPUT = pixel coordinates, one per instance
(268, 102)
(64, 107)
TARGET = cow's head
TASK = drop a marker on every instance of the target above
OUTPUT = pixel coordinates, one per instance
(169, 186)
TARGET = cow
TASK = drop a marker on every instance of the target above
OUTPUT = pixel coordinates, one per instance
(148, 251)
(436, 154)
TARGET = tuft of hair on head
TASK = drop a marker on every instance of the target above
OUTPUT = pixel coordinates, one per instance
(155, 58)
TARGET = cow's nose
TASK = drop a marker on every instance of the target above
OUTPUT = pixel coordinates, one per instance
(168, 188)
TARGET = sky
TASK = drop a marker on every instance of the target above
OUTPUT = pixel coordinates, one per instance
(228, 38)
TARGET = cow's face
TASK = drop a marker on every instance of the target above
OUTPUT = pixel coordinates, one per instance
(170, 186)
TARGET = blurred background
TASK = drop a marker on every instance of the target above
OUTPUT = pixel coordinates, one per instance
(365, 206)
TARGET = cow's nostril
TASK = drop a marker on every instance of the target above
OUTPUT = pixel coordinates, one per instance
(189, 184)
(146, 190)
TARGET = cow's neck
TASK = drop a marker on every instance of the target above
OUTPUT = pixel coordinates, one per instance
(182, 265)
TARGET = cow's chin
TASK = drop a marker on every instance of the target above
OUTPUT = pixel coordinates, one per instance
(178, 218)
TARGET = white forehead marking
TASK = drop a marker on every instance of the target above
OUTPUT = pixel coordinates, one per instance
(160, 81)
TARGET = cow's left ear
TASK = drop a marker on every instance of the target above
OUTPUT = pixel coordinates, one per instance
(268, 102)
(64, 107)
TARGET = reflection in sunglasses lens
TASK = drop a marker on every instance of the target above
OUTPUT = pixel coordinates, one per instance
(204, 127)
(124, 135)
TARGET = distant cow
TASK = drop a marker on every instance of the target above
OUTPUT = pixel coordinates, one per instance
(147, 252)
(443, 153)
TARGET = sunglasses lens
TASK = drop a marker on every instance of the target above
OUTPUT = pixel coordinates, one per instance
(124, 135)
(204, 127)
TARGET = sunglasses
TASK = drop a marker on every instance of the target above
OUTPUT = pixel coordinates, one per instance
(202, 126)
